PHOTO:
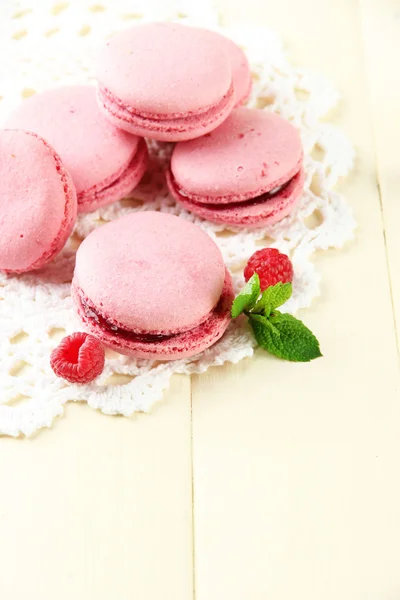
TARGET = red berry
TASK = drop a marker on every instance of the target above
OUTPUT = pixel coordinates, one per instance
(271, 267)
(79, 358)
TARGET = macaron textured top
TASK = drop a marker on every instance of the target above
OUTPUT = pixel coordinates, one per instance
(165, 80)
(150, 284)
(37, 202)
(105, 163)
(246, 172)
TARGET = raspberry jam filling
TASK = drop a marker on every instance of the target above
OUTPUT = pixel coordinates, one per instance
(223, 206)
(93, 315)
(105, 325)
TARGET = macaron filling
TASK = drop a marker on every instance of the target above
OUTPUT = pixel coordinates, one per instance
(114, 187)
(151, 343)
(108, 324)
(165, 123)
(273, 194)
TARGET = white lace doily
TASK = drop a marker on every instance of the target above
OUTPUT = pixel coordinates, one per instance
(47, 43)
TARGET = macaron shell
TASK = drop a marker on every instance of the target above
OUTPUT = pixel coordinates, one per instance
(91, 148)
(37, 202)
(177, 129)
(151, 272)
(241, 73)
(250, 215)
(252, 152)
(118, 187)
(165, 69)
(183, 345)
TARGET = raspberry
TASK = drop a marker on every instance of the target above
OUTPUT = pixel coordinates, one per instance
(79, 358)
(271, 266)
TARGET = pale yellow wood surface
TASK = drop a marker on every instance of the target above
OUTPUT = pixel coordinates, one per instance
(296, 490)
(380, 23)
(296, 486)
(100, 508)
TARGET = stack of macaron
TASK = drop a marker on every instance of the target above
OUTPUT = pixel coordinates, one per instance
(59, 136)
(75, 149)
(170, 82)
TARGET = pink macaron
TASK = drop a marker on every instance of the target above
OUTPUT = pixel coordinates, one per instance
(152, 285)
(246, 173)
(37, 202)
(241, 74)
(104, 162)
(166, 81)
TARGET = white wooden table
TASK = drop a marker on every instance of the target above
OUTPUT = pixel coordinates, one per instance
(267, 480)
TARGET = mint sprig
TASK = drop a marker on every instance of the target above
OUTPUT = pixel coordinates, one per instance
(273, 297)
(247, 297)
(279, 333)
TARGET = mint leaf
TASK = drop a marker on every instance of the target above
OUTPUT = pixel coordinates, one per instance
(272, 297)
(285, 337)
(267, 336)
(247, 297)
